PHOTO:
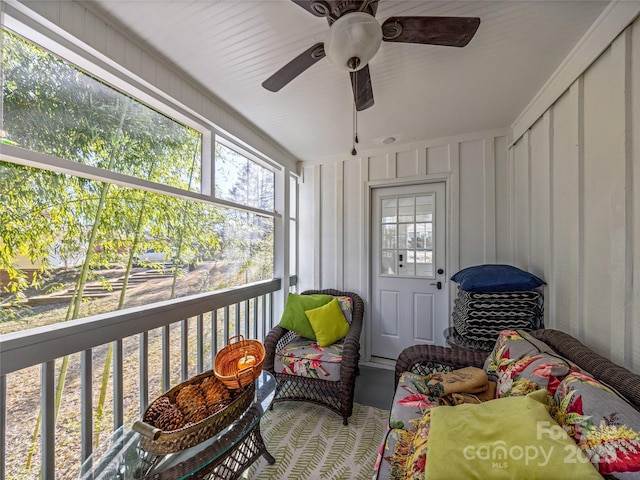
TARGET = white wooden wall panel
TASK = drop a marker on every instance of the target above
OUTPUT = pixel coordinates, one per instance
(521, 213)
(489, 204)
(354, 248)
(576, 185)
(604, 203)
(438, 159)
(330, 216)
(634, 151)
(472, 193)
(565, 247)
(503, 197)
(308, 243)
(407, 163)
(379, 167)
(540, 263)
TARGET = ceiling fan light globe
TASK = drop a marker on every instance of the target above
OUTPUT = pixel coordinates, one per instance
(354, 35)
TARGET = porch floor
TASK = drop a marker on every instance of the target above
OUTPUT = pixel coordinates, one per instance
(374, 387)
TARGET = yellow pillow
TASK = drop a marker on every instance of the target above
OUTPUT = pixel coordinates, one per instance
(328, 323)
(506, 438)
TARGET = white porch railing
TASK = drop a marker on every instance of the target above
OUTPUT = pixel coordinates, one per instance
(246, 310)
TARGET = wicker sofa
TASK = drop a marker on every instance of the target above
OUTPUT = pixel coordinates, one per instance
(422, 360)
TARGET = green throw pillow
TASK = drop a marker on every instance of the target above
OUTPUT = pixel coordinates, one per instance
(294, 318)
(328, 323)
(506, 438)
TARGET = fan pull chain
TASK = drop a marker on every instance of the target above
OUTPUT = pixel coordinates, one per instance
(355, 130)
(355, 118)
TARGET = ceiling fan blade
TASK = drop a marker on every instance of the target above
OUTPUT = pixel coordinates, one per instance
(446, 31)
(306, 4)
(362, 89)
(294, 68)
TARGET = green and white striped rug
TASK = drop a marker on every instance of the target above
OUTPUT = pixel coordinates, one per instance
(309, 442)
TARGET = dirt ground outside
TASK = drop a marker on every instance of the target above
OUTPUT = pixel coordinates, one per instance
(23, 387)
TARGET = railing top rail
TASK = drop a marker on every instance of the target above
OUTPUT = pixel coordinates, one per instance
(38, 345)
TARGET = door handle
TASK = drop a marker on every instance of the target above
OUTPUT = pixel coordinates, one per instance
(438, 285)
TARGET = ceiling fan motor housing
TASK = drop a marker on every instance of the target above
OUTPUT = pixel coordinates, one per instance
(353, 40)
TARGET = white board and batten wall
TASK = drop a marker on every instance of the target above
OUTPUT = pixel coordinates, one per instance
(557, 194)
(334, 207)
(576, 196)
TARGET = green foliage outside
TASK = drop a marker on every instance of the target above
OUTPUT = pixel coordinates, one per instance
(53, 108)
(63, 223)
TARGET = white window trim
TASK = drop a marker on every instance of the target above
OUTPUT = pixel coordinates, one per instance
(20, 20)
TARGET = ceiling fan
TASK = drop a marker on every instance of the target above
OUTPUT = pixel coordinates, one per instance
(355, 36)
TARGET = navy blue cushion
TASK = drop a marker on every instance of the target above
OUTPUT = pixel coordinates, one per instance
(496, 278)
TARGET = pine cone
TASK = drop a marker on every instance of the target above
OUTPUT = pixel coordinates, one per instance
(157, 408)
(216, 394)
(189, 397)
(171, 419)
(196, 414)
(191, 402)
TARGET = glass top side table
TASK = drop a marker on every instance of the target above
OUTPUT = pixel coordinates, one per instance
(224, 456)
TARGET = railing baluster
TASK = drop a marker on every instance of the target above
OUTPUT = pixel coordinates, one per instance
(86, 404)
(254, 308)
(263, 301)
(200, 343)
(118, 387)
(144, 371)
(270, 311)
(184, 350)
(247, 334)
(166, 373)
(47, 405)
(225, 325)
(214, 335)
(237, 318)
(3, 423)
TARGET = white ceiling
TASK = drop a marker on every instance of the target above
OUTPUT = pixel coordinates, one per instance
(420, 91)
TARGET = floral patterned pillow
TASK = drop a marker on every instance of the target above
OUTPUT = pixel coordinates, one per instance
(511, 346)
(411, 400)
(346, 305)
(602, 423)
(409, 457)
(529, 373)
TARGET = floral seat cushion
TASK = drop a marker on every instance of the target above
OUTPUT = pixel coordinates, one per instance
(305, 358)
(602, 423)
(411, 400)
(403, 455)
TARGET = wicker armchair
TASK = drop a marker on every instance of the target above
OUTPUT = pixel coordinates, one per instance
(335, 395)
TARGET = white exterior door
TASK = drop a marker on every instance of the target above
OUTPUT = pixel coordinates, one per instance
(409, 292)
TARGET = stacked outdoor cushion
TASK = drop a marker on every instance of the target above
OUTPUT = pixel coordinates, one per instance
(492, 298)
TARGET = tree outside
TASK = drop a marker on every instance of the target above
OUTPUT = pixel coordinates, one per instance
(83, 242)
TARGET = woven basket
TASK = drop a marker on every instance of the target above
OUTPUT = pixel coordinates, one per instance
(160, 442)
(225, 365)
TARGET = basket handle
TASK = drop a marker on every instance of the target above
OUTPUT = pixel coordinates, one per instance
(240, 336)
(146, 430)
(242, 371)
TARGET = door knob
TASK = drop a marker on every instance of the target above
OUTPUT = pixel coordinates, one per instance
(437, 284)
